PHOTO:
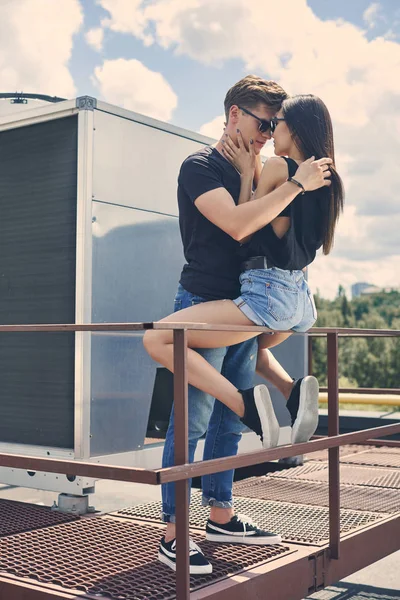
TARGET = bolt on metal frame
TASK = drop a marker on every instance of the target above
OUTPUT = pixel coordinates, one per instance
(182, 471)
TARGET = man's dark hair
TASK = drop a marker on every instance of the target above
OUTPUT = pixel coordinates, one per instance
(251, 91)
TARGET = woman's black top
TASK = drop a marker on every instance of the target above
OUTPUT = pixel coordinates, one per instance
(297, 248)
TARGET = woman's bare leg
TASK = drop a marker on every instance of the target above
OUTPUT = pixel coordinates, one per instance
(269, 368)
(159, 344)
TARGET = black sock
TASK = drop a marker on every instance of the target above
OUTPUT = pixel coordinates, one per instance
(294, 400)
(250, 417)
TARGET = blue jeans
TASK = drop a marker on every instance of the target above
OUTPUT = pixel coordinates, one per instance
(222, 426)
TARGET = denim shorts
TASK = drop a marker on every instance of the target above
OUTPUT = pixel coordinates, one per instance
(278, 299)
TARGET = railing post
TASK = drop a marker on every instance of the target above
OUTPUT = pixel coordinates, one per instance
(333, 429)
(181, 457)
(310, 354)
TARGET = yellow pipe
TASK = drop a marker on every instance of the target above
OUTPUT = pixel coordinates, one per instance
(377, 399)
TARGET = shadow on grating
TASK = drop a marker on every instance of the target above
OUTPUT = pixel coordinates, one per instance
(317, 494)
(294, 522)
(16, 517)
(105, 557)
(351, 591)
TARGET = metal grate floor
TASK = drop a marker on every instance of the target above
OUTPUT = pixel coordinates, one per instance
(16, 517)
(296, 472)
(316, 494)
(108, 558)
(359, 475)
(294, 522)
(349, 474)
(343, 451)
(374, 458)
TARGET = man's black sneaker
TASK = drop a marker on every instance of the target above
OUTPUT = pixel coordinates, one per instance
(240, 530)
(259, 415)
(303, 408)
(198, 564)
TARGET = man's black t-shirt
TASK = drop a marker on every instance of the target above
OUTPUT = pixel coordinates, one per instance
(213, 262)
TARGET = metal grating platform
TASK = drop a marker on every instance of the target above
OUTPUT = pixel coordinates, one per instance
(117, 560)
(16, 517)
(296, 472)
(374, 458)
(294, 522)
(343, 451)
(349, 474)
(316, 494)
(358, 475)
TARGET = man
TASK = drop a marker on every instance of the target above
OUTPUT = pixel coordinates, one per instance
(211, 226)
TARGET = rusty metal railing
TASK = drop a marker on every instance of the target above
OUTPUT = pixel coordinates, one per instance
(182, 471)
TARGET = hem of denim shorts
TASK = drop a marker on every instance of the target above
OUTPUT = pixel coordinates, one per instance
(207, 501)
(249, 312)
(167, 518)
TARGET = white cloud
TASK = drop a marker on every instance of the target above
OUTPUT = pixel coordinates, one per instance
(371, 14)
(213, 128)
(36, 44)
(354, 75)
(326, 273)
(130, 84)
(94, 37)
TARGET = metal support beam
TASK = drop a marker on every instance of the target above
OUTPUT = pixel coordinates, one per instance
(333, 429)
(181, 457)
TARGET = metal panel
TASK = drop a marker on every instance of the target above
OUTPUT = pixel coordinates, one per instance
(137, 165)
(137, 258)
(83, 312)
(49, 112)
(37, 285)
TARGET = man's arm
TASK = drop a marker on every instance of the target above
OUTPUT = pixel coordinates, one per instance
(243, 220)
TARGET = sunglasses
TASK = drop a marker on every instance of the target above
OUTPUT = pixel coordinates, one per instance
(274, 122)
(265, 124)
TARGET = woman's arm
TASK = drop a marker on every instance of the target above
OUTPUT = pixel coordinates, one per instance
(246, 188)
(258, 169)
(274, 173)
(272, 176)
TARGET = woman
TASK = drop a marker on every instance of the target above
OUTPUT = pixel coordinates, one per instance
(274, 292)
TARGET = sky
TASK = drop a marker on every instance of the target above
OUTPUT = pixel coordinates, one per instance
(174, 60)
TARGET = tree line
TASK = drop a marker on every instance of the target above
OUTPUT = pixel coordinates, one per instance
(363, 362)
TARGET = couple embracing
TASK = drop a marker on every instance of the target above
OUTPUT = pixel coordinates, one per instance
(248, 234)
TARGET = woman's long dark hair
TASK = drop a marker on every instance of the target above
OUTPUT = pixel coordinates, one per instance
(310, 125)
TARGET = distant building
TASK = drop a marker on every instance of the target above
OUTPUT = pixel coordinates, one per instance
(359, 288)
(364, 289)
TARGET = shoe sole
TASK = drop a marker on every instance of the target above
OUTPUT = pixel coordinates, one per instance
(269, 422)
(193, 570)
(251, 541)
(307, 417)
